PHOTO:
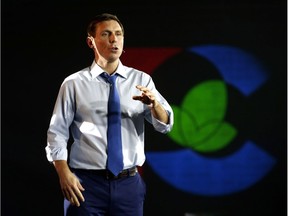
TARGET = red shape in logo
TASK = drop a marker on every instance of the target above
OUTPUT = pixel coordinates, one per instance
(147, 59)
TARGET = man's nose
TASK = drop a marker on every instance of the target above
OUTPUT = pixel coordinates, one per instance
(113, 38)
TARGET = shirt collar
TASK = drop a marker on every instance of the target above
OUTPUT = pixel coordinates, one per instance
(96, 70)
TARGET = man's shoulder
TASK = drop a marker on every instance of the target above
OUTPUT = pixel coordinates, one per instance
(78, 75)
(131, 70)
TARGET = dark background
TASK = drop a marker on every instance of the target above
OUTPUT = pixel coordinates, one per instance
(44, 41)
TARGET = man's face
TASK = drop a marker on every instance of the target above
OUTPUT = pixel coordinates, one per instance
(109, 40)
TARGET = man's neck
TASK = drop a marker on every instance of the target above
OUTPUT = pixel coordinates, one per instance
(109, 67)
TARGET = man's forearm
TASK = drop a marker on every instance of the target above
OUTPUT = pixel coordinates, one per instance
(160, 113)
(61, 166)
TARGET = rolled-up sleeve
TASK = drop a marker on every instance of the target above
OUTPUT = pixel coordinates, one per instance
(162, 127)
(58, 131)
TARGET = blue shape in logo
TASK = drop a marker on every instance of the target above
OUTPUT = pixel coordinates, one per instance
(190, 172)
(238, 68)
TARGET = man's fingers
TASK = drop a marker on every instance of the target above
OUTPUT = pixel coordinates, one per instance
(74, 201)
(80, 196)
(144, 99)
(66, 194)
(142, 88)
(79, 193)
(137, 97)
(74, 196)
(147, 96)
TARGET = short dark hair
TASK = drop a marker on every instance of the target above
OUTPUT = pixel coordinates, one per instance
(91, 29)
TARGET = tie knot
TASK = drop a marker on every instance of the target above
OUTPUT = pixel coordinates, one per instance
(108, 78)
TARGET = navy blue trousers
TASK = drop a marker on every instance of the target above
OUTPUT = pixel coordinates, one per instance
(108, 197)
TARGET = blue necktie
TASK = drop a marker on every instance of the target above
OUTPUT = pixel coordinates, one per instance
(115, 157)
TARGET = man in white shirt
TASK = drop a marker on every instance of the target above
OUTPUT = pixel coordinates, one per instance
(81, 110)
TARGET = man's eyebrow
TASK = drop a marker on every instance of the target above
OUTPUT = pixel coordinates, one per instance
(107, 30)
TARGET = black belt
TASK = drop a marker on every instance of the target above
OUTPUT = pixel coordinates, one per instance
(108, 175)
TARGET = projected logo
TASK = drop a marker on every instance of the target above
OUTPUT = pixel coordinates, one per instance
(201, 128)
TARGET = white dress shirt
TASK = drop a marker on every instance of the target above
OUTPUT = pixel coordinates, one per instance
(81, 106)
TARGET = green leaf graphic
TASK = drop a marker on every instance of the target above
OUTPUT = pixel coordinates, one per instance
(199, 121)
(217, 139)
(183, 124)
(206, 101)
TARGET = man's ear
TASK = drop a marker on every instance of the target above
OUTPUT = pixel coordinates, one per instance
(90, 41)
